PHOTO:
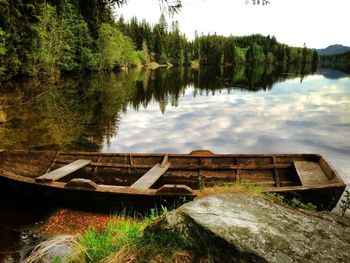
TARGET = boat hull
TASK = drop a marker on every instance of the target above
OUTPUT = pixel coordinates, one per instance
(85, 199)
(111, 181)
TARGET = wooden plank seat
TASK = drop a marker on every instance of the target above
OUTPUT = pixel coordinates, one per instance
(310, 173)
(149, 178)
(63, 171)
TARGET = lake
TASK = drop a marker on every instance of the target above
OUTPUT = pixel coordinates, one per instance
(226, 110)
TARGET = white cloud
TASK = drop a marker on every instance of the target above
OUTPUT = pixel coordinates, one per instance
(318, 23)
(309, 117)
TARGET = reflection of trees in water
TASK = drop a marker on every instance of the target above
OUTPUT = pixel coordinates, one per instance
(167, 85)
(80, 113)
(164, 86)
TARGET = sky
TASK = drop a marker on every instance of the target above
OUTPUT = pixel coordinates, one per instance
(317, 23)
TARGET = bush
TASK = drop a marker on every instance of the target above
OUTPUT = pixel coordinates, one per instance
(345, 203)
(115, 49)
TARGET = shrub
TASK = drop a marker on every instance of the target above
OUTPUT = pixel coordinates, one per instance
(345, 203)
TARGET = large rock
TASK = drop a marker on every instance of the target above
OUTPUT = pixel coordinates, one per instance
(242, 228)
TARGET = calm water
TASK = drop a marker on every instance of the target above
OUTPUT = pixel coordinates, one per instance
(256, 110)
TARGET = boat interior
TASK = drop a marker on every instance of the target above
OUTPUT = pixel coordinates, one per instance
(152, 171)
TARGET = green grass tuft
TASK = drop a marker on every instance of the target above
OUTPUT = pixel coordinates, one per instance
(125, 238)
(120, 232)
(298, 204)
(99, 245)
(294, 202)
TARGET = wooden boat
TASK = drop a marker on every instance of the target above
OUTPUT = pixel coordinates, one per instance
(100, 179)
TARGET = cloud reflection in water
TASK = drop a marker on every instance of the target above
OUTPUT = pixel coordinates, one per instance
(312, 116)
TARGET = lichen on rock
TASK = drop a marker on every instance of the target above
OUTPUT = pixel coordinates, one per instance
(243, 228)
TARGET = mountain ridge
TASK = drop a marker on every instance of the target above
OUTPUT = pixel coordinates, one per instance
(333, 50)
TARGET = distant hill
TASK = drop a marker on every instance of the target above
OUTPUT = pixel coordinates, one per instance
(333, 50)
(339, 61)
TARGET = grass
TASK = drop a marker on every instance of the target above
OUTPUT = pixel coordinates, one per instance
(44, 248)
(124, 239)
(163, 246)
(100, 245)
(294, 202)
(123, 233)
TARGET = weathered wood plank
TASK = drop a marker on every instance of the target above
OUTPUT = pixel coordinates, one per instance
(107, 187)
(81, 183)
(149, 178)
(326, 168)
(63, 171)
(276, 173)
(310, 173)
(191, 167)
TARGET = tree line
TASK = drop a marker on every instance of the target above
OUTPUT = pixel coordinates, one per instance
(338, 61)
(166, 44)
(46, 37)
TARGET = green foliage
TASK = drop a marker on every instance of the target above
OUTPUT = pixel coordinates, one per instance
(156, 213)
(53, 36)
(345, 203)
(146, 54)
(298, 204)
(121, 231)
(78, 54)
(57, 259)
(294, 202)
(163, 244)
(2, 43)
(99, 245)
(276, 198)
(16, 19)
(214, 50)
(108, 47)
(270, 57)
(50, 41)
(255, 53)
(240, 55)
(339, 61)
(115, 49)
(2, 51)
(70, 35)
